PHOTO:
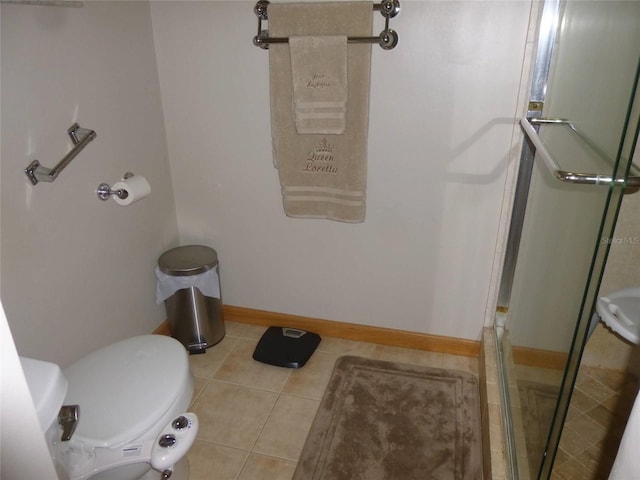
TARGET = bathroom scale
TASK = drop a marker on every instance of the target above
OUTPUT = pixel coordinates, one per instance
(286, 347)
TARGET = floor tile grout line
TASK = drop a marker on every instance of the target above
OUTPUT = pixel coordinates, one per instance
(591, 397)
(195, 401)
(278, 392)
(252, 387)
(304, 397)
(253, 446)
(244, 464)
(223, 445)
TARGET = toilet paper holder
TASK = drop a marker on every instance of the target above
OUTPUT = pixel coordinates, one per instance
(104, 191)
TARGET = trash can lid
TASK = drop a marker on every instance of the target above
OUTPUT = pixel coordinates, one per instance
(188, 260)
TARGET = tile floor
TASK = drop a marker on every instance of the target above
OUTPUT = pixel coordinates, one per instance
(254, 418)
(532, 421)
(598, 413)
(600, 407)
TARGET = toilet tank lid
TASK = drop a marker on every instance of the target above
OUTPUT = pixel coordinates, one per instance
(124, 388)
(47, 386)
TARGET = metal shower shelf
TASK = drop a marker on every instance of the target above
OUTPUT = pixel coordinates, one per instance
(387, 39)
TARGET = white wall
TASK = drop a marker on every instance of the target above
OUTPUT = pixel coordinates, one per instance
(77, 273)
(443, 105)
(24, 453)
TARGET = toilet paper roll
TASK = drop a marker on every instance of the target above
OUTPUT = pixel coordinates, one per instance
(137, 188)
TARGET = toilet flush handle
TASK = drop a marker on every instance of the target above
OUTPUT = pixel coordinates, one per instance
(68, 419)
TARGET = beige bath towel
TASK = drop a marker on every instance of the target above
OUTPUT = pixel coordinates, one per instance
(319, 72)
(321, 175)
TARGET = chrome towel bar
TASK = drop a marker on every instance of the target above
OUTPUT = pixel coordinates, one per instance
(527, 124)
(387, 39)
(80, 138)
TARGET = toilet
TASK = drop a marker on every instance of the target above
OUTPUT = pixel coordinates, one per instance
(620, 311)
(132, 398)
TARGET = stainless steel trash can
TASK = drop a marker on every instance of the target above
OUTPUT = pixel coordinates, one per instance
(196, 320)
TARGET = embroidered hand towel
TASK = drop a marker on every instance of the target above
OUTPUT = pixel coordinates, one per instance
(319, 70)
(321, 175)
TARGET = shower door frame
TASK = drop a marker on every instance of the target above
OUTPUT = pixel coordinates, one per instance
(548, 26)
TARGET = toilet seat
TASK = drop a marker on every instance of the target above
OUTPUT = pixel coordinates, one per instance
(109, 419)
(620, 311)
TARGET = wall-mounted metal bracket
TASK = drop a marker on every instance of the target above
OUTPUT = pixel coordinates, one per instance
(104, 191)
(80, 138)
(387, 39)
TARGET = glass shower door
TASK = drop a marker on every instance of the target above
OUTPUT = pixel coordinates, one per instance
(581, 134)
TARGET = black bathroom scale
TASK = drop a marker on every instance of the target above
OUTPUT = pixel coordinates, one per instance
(286, 347)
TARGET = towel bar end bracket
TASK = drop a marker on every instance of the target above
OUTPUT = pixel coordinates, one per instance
(36, 172)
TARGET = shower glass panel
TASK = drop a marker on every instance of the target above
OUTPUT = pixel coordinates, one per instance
(561, 232)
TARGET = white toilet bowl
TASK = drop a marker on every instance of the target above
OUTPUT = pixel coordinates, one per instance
(620, 311)
(131, 395)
